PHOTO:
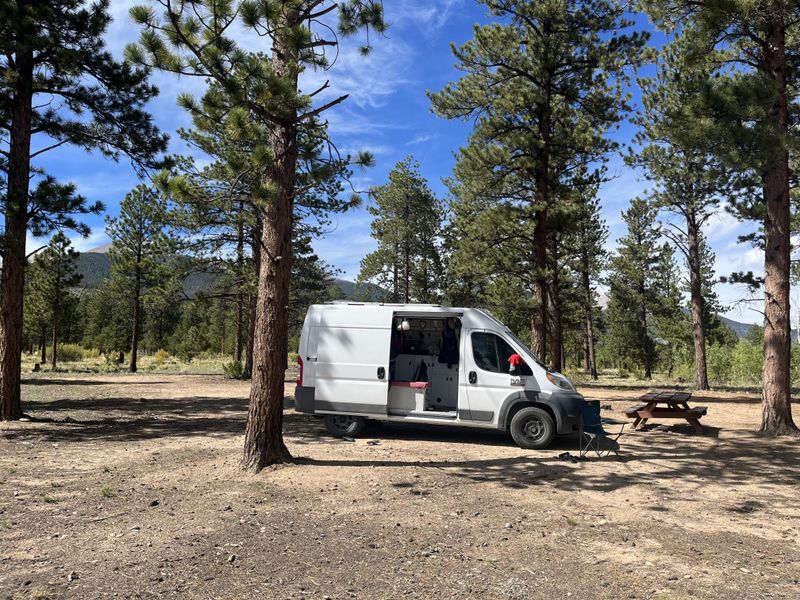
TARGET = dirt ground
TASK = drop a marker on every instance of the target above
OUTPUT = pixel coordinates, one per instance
(130, 487)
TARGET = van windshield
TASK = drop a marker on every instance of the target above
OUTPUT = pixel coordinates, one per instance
(524, 346)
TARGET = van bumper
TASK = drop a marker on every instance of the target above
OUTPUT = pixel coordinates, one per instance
(304, 399)
(567, 408)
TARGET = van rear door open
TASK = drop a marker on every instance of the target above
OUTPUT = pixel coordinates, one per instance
(352, 366)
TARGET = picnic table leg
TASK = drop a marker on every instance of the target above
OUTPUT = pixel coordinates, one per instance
(636, 422)
(696, 423)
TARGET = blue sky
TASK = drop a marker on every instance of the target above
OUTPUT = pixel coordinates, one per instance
(389, 114)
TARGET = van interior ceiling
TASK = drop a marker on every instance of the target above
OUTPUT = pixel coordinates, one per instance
(423, 367)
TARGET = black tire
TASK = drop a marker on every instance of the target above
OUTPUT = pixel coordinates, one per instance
(533, 428)
(344, 425)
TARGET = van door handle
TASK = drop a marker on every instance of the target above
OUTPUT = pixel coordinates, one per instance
(381, 372)
(473, 377)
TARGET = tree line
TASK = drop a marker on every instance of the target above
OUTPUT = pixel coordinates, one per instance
(544, 84)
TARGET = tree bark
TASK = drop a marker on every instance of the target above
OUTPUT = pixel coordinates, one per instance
(237, 352)
(251, 316)
(588, 299)
(263, 443)
(776, 396)
(43, 345)
(556, 338)
(12, 280)
(54, 351)
(697, 301)
(137, 311)
(539, 315)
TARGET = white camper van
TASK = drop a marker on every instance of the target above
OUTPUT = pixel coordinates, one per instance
(421, 363)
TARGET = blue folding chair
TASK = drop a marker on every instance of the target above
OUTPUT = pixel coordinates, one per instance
(593, 438)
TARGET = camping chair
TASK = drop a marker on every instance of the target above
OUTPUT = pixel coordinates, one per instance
(592, 435)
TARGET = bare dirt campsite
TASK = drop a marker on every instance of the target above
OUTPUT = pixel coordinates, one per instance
(130, 487)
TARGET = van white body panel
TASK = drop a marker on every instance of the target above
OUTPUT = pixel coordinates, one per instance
(349, 364)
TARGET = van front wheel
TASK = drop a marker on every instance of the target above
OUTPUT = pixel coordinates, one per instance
(533, 428)
(344, 425)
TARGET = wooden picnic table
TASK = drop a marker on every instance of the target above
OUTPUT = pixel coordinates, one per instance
(675, 406)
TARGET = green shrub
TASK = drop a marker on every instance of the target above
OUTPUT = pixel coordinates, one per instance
(71, 353)
(160, 357)
(718, 361)
(292, 358)
(233, 369)
(746, 363)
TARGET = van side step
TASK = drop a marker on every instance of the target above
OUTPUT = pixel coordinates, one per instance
(433, 414)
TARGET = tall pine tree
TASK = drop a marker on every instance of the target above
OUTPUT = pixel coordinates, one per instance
(407, 226)
(544, 84)
(749, 104)
(196, 38)
(58, 86)
(141, 253)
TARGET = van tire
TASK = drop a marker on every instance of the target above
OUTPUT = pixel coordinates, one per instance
(344, 425)
(533, 428)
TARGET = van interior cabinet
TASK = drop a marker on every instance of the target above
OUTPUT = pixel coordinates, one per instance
(407, 396)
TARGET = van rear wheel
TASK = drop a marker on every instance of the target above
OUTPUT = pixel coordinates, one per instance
(344, 425)
(533, 428)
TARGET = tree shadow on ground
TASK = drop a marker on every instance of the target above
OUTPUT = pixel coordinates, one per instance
(92, 382)
(654, 456)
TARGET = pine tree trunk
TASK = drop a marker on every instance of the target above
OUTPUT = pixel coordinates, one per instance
(43, 345)
(697, 300)
(590, 344)
(588, 300)
(776, 395)
(137, 310)
(12, 280)
(237, 352)
(263, 444)
(539, 315)
(251, 316)
(556, 339)
(54, 351)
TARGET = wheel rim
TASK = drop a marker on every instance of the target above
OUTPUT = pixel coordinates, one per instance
(342, 422)
(533, 429)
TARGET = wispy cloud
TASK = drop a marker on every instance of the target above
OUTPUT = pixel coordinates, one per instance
(421, 138)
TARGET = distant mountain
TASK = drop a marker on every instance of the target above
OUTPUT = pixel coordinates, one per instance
(740, 329)
(94, 267)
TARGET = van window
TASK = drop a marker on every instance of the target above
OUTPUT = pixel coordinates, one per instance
(491, 353)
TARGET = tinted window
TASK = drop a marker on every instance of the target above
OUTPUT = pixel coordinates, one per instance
(491, 353)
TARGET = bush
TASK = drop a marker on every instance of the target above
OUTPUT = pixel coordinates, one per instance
(746, 363)
(292, 360)
(75, 353)
(160, 357)
(233, 369)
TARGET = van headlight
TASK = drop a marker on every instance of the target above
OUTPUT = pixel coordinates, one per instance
(560, 381)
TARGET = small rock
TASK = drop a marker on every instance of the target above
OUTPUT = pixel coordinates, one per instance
(72, 576)
(508, 525)
(154, 503)
(231, 558)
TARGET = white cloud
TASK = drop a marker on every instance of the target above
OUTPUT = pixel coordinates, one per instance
(421, 138)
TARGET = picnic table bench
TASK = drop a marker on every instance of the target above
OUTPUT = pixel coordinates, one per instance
(675, 406)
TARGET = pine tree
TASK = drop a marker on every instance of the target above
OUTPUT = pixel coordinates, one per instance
(52, 274)
(670, 323)
(633, 292)
(58, 85)
(588, 261)
(689, 181)
(141, 247)
(407, 223)
(749, 100)
(544, 84)
(194, 38)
